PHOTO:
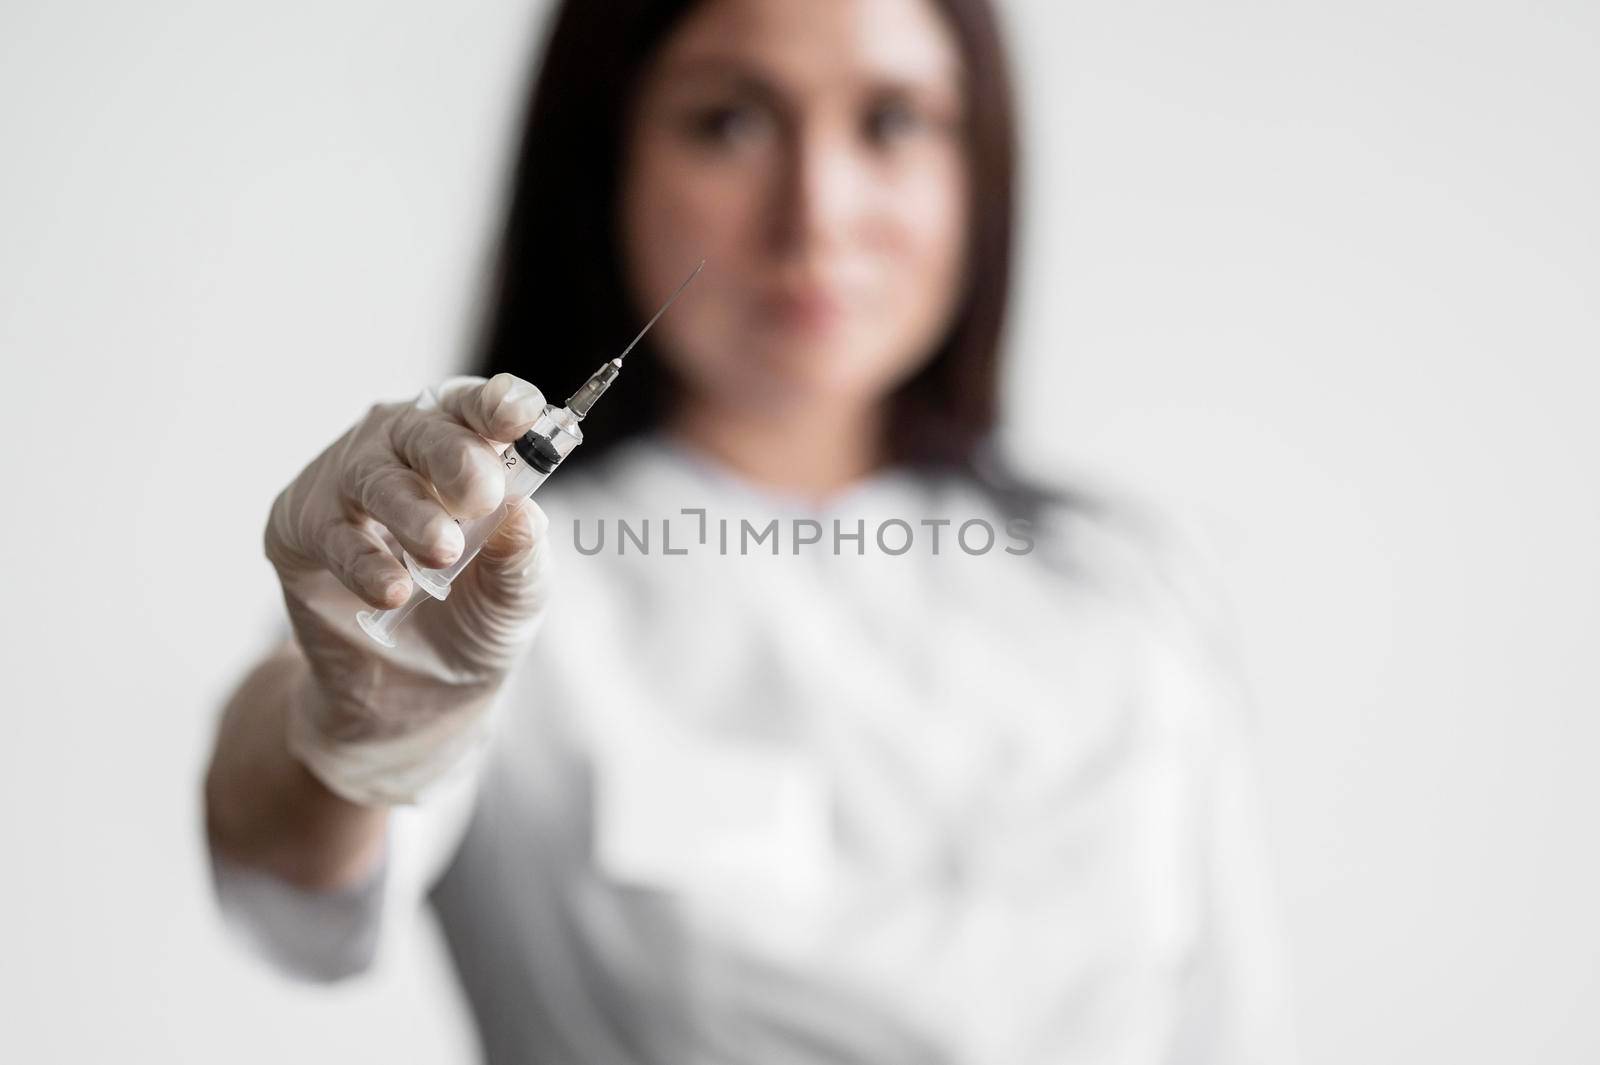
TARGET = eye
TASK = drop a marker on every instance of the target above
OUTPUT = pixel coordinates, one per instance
(892, 120)
(729, 124)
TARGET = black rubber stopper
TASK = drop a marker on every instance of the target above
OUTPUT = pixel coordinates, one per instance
(538, 452)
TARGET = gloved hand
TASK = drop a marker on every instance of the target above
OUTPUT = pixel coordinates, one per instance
(379, 725)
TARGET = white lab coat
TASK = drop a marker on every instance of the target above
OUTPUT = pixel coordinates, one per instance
(983, 809)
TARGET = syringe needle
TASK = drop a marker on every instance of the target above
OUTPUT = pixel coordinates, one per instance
(663, 309)
(581, 401)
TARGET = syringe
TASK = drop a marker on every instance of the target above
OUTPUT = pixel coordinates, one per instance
(531, 459)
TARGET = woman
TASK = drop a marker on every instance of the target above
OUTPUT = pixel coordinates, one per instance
(854, 794)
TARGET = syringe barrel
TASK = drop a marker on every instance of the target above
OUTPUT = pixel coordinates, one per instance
(527, 463)
(522, 481)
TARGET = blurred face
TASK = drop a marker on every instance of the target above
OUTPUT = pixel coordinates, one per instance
(812, 152)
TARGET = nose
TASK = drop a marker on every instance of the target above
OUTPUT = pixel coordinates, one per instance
(818, 192)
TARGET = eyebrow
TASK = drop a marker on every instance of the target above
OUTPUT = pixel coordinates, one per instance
(720, 68)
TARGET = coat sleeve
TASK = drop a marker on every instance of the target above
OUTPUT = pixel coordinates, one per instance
(1235, 1004)
(325, 936)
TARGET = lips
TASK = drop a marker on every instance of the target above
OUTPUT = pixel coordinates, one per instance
(809, 308)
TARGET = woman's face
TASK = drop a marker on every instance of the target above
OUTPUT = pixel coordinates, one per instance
(812, 153)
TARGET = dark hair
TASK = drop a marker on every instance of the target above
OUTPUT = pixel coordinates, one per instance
(558, 304)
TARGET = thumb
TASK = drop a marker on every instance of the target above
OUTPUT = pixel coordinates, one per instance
(496, 605)
(511, 567)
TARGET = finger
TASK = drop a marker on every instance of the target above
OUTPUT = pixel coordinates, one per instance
(399, 499)
(514, 543)
(358, 557)
(462, 466)
(506, 586)
(501, 408)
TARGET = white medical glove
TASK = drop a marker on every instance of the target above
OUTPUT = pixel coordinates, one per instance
(378, 725)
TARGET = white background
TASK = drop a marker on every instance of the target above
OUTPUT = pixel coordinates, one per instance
(1323, 276)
